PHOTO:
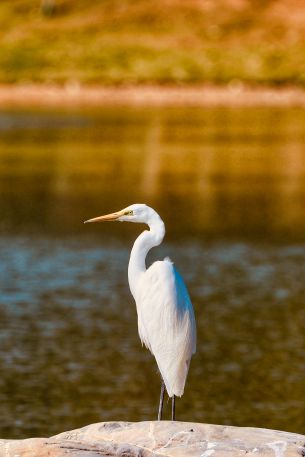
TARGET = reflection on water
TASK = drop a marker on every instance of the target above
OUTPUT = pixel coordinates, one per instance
(238, 172)
(230, 186)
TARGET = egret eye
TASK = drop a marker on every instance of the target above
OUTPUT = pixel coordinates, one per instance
(128, 213)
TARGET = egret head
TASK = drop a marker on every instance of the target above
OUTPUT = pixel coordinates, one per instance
(134, 213)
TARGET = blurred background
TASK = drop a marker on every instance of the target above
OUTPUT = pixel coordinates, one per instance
(228, 182)
(165, 41)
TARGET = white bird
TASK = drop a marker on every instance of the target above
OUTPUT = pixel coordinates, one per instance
(166, 321)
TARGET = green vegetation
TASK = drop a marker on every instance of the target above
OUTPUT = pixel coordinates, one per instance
(159, 41)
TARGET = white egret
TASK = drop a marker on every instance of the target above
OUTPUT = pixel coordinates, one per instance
(166, 321)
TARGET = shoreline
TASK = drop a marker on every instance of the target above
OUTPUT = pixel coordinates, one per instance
(74, 95)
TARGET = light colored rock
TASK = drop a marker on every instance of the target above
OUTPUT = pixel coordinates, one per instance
(156, 439)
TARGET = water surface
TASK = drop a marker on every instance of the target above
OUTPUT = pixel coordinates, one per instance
(229, 185)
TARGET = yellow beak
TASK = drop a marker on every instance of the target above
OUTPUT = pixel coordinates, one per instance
(107, 217)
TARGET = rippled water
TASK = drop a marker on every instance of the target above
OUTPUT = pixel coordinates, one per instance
(230, 187)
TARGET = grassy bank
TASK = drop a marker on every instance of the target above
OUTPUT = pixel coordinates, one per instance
(140, 41)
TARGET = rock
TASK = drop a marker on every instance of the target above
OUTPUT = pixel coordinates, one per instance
(156, 439)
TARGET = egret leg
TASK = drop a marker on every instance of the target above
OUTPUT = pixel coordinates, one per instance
(161, 401)
(173, 408)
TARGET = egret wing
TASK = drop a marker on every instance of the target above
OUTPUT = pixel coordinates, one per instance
(166, 322)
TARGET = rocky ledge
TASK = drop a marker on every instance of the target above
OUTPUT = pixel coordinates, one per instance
(156, 439)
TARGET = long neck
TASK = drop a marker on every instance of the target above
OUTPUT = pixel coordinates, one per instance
(147, 240)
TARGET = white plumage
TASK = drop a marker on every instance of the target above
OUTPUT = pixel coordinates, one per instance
(166, 321)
